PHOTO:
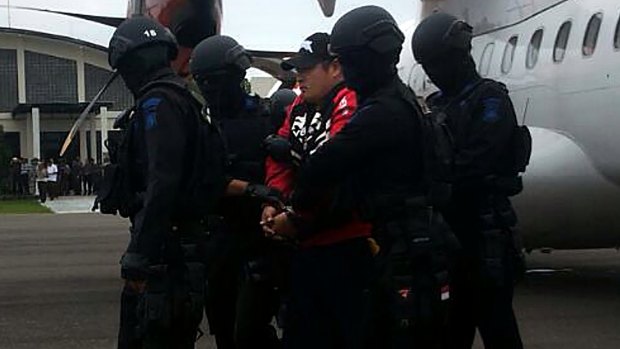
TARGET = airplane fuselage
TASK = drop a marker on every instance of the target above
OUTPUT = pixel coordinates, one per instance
(570, 99)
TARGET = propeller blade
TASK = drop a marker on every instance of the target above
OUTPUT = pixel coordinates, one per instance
(84, 115)
(111, 21)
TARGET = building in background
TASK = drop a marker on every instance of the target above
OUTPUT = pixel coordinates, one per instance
(50, 67)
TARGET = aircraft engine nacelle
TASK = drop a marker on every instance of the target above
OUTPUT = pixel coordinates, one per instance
(191, 21)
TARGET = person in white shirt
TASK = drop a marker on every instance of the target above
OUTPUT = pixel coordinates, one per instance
(52, 179)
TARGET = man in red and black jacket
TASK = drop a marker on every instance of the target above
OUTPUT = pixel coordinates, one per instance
(330, 272)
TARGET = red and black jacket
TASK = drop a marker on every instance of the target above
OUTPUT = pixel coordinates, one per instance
(308, 127)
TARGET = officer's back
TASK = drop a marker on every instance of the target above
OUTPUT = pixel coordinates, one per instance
(395, 163)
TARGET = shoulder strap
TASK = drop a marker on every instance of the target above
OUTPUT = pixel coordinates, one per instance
(473, 93)
(179, 88)
(165, 83)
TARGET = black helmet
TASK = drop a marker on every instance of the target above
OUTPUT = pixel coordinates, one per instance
(438, 34)
(217, 55)
(281, 99)
(278, 106)
(369, 27)
(138, 32)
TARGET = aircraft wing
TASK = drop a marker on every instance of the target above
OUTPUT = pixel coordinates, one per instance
(269, 62)
(111, 21)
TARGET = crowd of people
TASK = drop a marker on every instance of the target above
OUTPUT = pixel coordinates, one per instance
(47, 178)
(354, 218)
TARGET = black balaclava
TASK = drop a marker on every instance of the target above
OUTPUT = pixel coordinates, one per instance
(223, 92)
(452, 72)
(366, 71)
(141, 66)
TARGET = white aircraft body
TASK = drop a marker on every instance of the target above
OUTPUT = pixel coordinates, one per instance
(561, 62)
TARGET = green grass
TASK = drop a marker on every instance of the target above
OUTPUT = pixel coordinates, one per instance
(22, 207)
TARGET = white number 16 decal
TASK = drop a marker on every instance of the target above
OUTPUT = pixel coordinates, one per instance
(150, 33)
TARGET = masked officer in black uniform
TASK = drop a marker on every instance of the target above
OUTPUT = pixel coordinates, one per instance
(377, 163)
(278, 106)
(161, 304)
(490, 152)
(241, 291)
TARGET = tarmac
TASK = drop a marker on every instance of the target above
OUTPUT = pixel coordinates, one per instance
(60, 287)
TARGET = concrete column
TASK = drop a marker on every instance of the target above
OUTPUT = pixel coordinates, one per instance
(28, 138)
(83, 148)
(21, 73)
(93, 139)
(81, 80)
(103, 119)
(23, 141)
(36, 133)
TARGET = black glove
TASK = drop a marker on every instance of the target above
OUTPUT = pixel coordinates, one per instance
(279, 148)
(264, 193)
(122, 120)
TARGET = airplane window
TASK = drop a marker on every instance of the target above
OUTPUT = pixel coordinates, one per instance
(485, 60)
(561, 41)
(534, 49)
(509, 54)
(589, 41)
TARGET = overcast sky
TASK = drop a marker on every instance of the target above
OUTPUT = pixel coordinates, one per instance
(283, 24)
(257, 24)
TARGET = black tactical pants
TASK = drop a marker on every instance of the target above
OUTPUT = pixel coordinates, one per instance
(241, 303)
(409, 308)
(168, 314)
(257, 305)
(412, 285)
(329, 296)
(223, 271)
(484, 275)
(478, 302)
(264, 281)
